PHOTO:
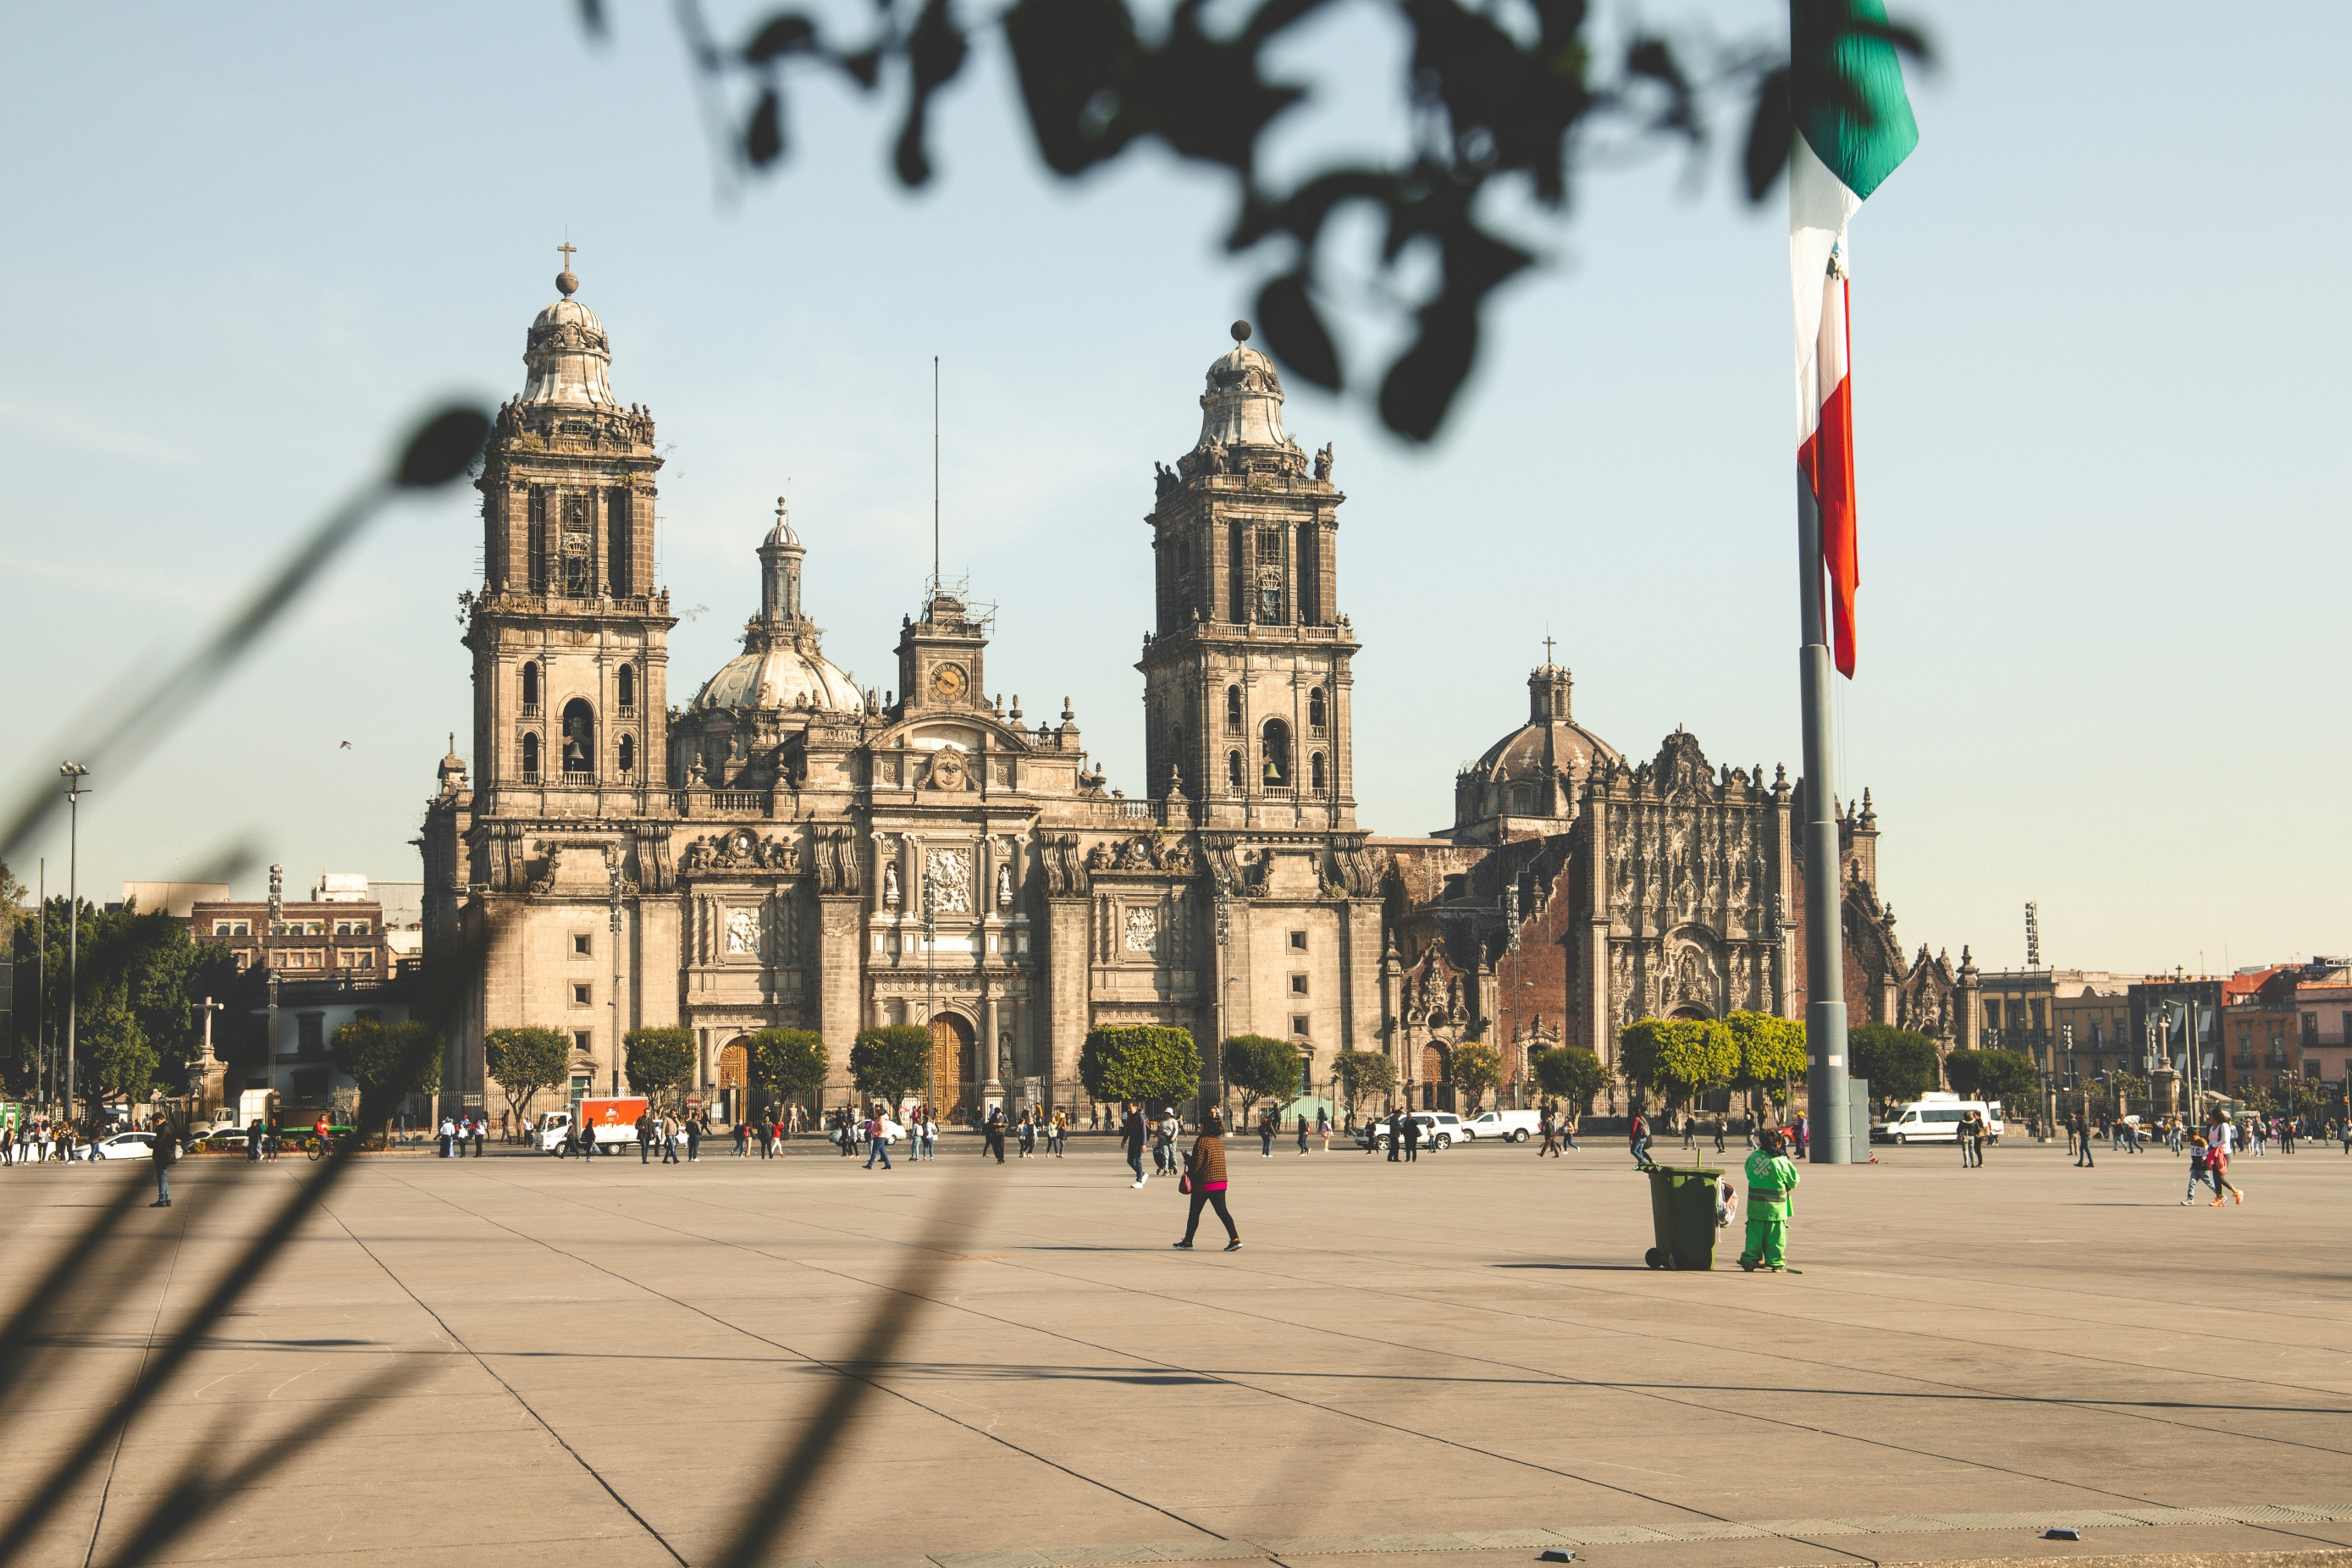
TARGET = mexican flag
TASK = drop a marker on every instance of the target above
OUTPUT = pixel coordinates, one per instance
(1854, 125)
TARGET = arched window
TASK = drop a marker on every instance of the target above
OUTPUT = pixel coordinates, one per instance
(1315, 771)
(1275, 742)
(1233, 708)
(531, 756)
(1317, 715)
(628, 754)
(1233, 771)
(625, 686)
(530, 688)
(1523, 800)
(579, 738)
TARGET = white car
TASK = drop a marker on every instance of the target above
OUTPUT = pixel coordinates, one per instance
(126, 1146)
(1509, 1126)
(1439, 1130)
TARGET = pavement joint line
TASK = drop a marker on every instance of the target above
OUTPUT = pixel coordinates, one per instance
(1536, 1537)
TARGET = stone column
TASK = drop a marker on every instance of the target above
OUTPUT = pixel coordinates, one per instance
(995, 1087)
(841, 975)
(1065, 972)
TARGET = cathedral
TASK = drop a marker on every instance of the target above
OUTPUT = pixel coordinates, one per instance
(785, 849)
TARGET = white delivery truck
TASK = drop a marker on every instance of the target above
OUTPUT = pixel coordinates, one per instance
(1935, 1117)
(614, 1120)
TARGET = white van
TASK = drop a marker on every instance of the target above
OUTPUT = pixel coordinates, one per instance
(1936, 1119)
(1509, 1126)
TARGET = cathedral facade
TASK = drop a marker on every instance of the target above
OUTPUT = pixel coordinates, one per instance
(1579, 890)
(784, 849)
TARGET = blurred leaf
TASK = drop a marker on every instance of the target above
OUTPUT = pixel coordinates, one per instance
(592, 19)
(763, 137)
(1067, 52)
(789, 34)
(1770, 127)
(444, 449)
(1652, 59)
(1295, 333)
(936, 50)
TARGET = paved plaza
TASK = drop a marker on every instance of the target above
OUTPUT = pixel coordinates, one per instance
(1463, 1356)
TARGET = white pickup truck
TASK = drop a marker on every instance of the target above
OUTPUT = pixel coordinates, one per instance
(1508, 1126)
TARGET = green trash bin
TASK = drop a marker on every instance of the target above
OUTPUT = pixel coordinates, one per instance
(1682, 1210)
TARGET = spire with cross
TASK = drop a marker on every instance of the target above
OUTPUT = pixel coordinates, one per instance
(566, 281)
(1547, 650)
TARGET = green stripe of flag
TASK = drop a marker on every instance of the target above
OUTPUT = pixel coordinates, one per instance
(1847, 91)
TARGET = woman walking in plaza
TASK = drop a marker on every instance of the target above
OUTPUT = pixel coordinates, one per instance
(2217, 1167)
(1204, 1170)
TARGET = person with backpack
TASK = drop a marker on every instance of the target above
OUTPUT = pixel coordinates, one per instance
(2217, 1169)
(1637, 1139)
(2197, 1150)
(1132, 1134)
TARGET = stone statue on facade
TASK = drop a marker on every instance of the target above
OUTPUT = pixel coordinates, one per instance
(889, 884)
(1323, 465)
(1165, 478)
(1004, 886)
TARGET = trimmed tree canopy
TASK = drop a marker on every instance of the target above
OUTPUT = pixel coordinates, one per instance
(387, 1062)
(1771, 1050)
(1571, 1073)
(1262, 1068)
(787, 1062)
(1143, 1062)
(1477, 1068)
(2007, 1076)
(891, 1062)
(1364, 1074)
(526, 1061)
(1680, 1060)
(658, 1059)
(1899, 1063)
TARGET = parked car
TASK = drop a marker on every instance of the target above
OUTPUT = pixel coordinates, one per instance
(1439, 1130)
(125, 1146)
(227, 1141)
(1509, 1126)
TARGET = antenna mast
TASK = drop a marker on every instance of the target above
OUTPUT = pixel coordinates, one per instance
(2033, 936)
(935, 469)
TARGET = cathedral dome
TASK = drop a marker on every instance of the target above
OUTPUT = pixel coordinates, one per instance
(1537, 770)
(568, 355)
(782, 676)
(1243, 403)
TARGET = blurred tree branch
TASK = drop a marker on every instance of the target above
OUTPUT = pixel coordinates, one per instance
(1498, 94)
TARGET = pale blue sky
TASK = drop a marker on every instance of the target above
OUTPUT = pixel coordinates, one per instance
(2100, 340)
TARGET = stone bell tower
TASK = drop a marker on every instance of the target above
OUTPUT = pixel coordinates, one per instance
(1246, 683)
(569, 631)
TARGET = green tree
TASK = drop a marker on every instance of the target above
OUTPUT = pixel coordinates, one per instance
(787, 1063)
(1144, 1062)
(891, 1062)
(1262, 1068)
(1772, 1051)
(1572, 1073)
(2009, 1076)
(658, 1060)
(1477, 1069)
(1899, 1063)
(525, 1060)
(118, 1063)
(1678, 1060)
(1364, 1075)
(389, 1062)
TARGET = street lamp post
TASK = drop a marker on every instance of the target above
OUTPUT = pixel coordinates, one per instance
(1214, 1054)
(612, 921)
(73, 773)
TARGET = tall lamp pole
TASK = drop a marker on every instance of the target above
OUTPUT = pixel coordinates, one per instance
(1215, 1054)
(613, 878)
(73, 773)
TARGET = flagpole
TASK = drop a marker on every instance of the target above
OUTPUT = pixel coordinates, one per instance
(1825, 1047)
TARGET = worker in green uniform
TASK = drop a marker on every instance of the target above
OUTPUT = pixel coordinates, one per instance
(1771, 1194)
